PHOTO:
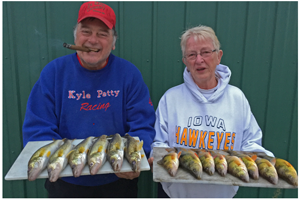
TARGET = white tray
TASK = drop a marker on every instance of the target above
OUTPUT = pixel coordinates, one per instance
(160, 174)
(18, 171)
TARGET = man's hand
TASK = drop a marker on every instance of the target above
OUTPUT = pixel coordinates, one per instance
(128, 175)
(150, 161)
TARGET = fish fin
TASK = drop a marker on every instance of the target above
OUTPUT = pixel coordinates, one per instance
(254, 157)
(170, 149)
(60, 153)
(53, 139)
(179, 154)
(109, 137)
(48, 154)
(100, 148)
(64, 139)
(70, 153)
(237, 162)
(161, 162)
(273, 161)
(140, 145)
(196, 154)
(81, 149)
(87, 151)
(42, 152)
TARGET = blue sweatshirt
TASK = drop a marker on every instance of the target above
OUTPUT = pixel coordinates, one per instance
(69, 101)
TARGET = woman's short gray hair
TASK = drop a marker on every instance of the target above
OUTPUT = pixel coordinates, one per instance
(199, 32)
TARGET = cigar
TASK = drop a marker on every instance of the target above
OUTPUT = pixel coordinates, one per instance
(81, 48)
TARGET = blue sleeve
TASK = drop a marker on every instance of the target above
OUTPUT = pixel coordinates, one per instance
(40, 121)
(140, 114)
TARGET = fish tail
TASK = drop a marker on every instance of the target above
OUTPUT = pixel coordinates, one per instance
(140, 145)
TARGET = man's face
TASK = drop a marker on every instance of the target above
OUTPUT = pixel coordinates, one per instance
(202, 69)
(93, 33)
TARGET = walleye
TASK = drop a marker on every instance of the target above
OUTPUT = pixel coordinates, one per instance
(132, 152)
(189, 160)
(170, 161)
(97, 155)
(207, 161)
(249, 162)
(220, 163)
(78, 156)
(59, 160)
(237, 168)
(286, 171)
(267, 170)
(40, 158)
(115, 154)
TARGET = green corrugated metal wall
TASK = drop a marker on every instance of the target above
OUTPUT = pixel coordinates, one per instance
(259, 40)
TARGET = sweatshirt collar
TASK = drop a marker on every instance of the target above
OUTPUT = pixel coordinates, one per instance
(223, 74)
(83, 66)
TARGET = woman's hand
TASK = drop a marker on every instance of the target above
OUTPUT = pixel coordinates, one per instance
(150, 161)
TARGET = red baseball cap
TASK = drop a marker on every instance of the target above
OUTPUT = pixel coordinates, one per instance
(98, 10)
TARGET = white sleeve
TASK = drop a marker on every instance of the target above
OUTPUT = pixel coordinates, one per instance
(161, 138)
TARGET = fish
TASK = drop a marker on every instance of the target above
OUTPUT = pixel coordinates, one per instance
(132, 151)
(170, 161)
(207, 161)
(267, 170)
(286, 171)
(59, 160)
(97, 154)
(189, 160)
(39, 160)
(115, 152)
(237, 168)
(220, 163)
(249, 162)
(78, 156)
(271, 159)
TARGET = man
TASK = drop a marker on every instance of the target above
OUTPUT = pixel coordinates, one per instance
(90, 94)
(204, 112)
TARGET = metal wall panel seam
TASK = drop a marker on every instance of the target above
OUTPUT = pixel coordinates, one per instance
(13, 63)
(270, 70)
(48, 30)
(15, 83)
(216, 17)
(154, 57)
(121, 28)
(244, 47)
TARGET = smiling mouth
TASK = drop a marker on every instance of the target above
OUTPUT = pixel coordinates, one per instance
(93, 49)
(200, 69)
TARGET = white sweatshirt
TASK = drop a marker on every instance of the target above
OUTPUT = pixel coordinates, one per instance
(185, 118)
